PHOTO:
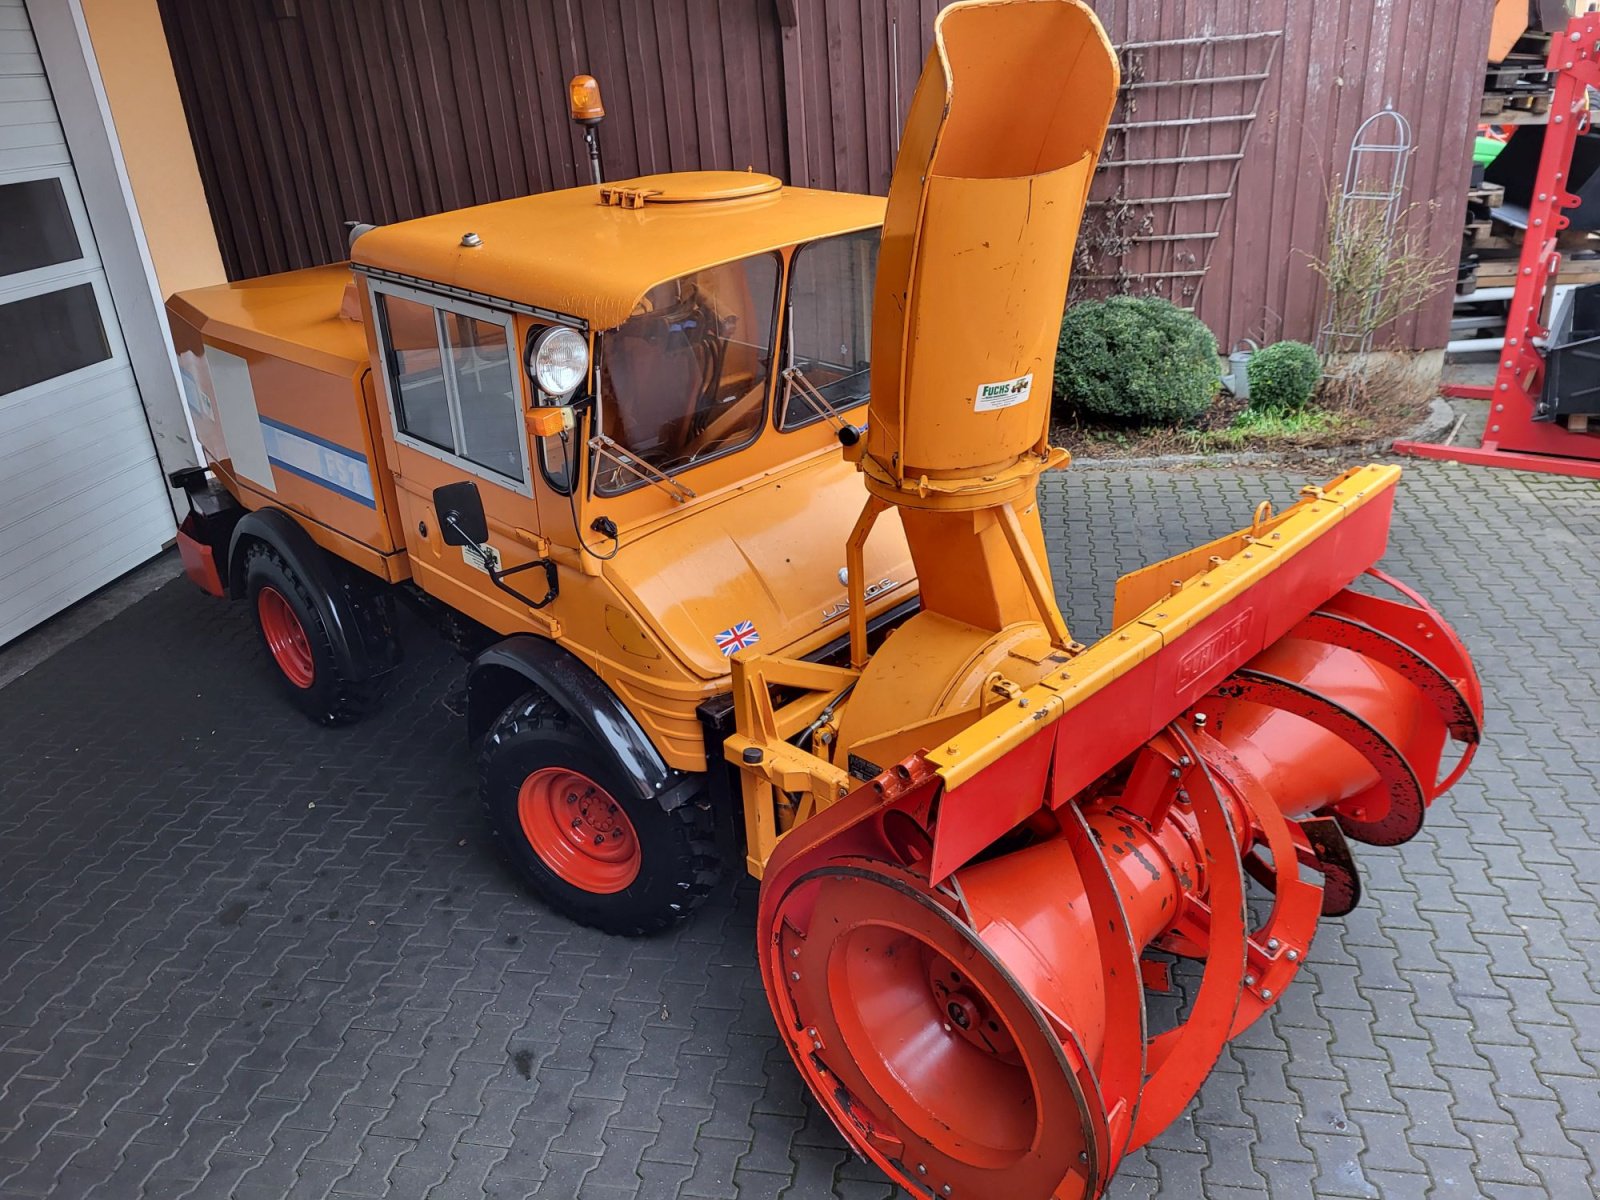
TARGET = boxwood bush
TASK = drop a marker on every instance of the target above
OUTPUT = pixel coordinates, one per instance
(1283, 377)
(1136, 361)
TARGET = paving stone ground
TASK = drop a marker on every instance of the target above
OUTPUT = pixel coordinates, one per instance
(244, 957)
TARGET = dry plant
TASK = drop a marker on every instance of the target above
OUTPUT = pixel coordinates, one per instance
(1375, 271)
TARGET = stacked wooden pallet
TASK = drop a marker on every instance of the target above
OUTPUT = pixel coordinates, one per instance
(1492, 238)
(1517, 90)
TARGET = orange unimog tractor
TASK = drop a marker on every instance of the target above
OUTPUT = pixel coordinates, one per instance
(595, 436)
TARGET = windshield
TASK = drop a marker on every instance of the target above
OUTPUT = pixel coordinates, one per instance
(685, 378)
(830, 323)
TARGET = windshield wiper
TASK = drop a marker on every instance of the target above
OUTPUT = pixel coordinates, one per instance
(796, 382)
(630, 462)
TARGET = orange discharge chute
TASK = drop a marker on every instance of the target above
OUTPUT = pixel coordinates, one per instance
(955, 948)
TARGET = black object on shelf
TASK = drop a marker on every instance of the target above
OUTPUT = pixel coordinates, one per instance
(1549, 16)
(1572, 358)
(1517, 170)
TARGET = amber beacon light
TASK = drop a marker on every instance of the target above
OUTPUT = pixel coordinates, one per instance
(583, 100)
(584, 106)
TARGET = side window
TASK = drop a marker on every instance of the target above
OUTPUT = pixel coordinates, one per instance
(454, 382)
(417, 368)
(830, 324)
(486, 393)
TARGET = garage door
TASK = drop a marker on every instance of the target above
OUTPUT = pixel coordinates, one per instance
(81, 494)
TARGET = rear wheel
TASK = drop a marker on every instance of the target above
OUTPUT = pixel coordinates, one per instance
(314, 676)
(579, 836)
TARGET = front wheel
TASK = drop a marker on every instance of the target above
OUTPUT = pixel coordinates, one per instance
(579, 836)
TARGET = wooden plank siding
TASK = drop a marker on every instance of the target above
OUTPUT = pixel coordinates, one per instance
(309, 113)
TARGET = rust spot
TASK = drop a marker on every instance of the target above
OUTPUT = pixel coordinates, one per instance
(1155, 872)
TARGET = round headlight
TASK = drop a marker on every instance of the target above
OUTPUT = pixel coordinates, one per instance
(558, 360)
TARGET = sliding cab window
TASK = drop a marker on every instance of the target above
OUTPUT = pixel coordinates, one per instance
(684, 380)
(829, 333)
(453, 380)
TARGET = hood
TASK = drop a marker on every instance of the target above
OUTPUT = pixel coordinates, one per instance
(761, 569)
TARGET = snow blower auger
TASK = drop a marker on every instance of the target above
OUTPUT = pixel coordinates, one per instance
(985, 826)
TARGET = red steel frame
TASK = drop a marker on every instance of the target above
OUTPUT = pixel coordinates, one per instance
(1513, 438)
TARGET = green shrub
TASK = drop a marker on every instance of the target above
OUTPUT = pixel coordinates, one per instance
(1283, 377)
(1141, 361)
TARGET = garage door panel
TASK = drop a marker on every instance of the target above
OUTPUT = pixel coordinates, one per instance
(33, 135)
(49, 496)
(80, 452)
(40, 568)
(82, 499)
(36, 420)
(36, 111)
(38, 156)
(24, 87)
(67, 520)
(64, 579)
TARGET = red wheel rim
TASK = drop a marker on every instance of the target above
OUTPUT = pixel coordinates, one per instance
(286, 638)
(578, 830)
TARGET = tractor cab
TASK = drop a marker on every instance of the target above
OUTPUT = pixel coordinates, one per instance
(647, 380)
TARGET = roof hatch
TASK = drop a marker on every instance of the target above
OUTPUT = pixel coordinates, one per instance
(685, 187)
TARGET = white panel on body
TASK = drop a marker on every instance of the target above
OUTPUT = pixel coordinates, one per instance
(241, 423)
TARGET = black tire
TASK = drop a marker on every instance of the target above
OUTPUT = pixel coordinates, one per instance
(678, 864)
(335, 693)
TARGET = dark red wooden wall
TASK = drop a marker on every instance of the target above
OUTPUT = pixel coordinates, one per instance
(308, 113)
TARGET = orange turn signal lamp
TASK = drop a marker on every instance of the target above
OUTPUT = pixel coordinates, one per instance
(583, 100)
(550, 420)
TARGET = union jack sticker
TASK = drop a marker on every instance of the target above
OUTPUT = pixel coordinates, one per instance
(741, 637)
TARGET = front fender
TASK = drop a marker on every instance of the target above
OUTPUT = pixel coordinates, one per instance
(521, 662)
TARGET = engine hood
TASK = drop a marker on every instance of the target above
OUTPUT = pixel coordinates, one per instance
(770, 556)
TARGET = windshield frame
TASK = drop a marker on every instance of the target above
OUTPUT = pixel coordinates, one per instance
(601, 344)
(807, 415)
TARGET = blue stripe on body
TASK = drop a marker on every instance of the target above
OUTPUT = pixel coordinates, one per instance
(332, 487)
(270, 423)
(319, 461)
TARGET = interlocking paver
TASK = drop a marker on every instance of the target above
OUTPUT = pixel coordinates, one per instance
(243, 957)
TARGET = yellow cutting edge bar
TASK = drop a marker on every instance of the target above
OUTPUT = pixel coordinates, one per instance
(1158, 604)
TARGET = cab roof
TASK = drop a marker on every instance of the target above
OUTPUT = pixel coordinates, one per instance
(593, 252)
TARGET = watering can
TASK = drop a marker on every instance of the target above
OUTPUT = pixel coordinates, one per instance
(1238, 380)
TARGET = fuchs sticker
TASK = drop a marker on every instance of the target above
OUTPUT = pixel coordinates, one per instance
(741, 637)
(1007, 394)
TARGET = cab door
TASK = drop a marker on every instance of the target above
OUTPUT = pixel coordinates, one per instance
(456, 391)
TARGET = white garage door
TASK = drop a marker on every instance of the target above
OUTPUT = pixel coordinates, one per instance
(81, 494)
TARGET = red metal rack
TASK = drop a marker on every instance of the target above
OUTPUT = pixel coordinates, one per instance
(1514, 437)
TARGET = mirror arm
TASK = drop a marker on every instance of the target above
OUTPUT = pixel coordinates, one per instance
(552, 587)
(487, 558)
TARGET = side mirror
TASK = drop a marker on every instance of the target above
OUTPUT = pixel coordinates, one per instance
(461, 518)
